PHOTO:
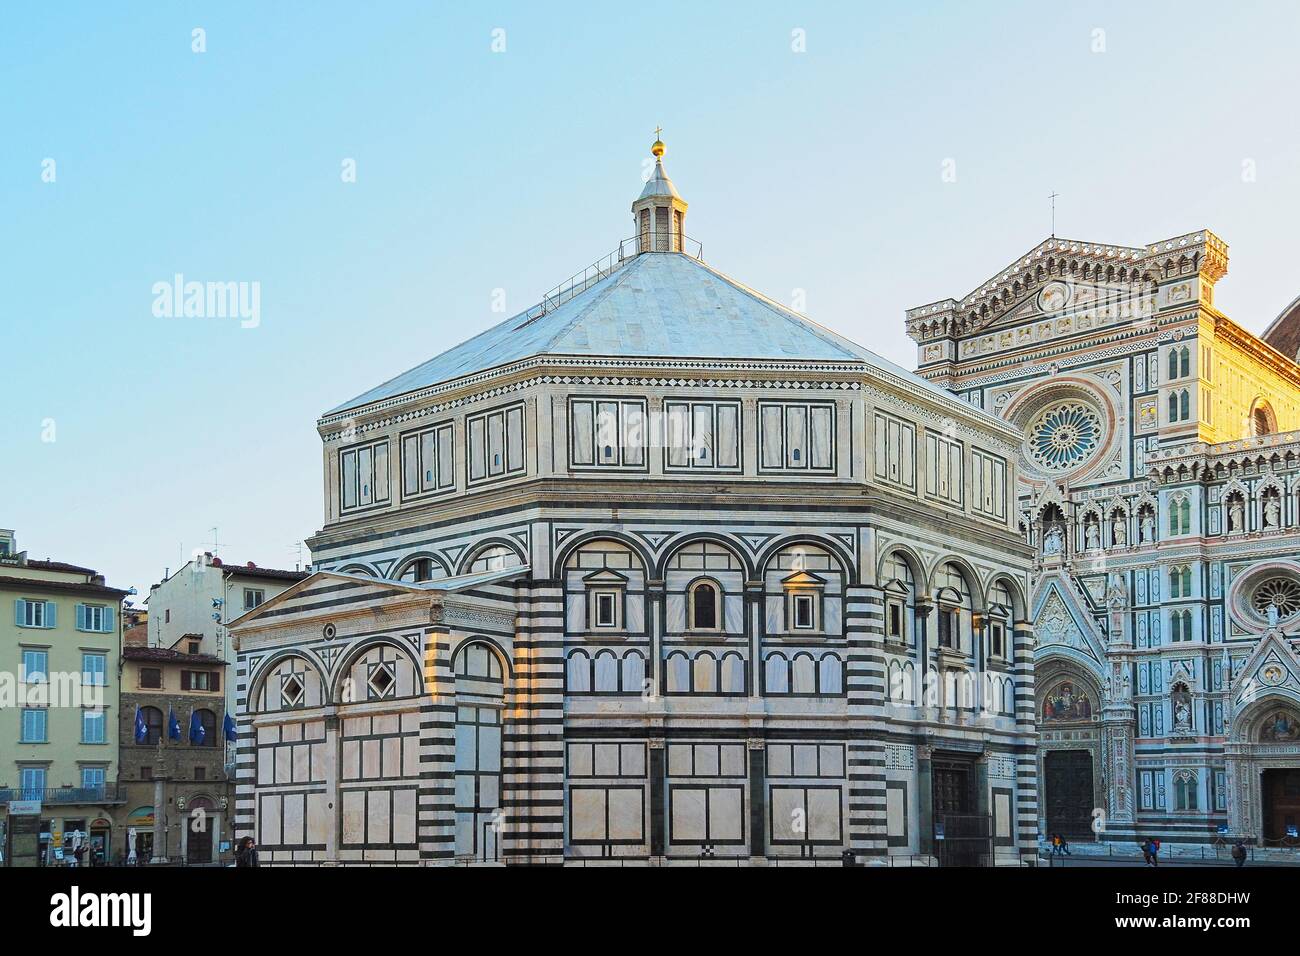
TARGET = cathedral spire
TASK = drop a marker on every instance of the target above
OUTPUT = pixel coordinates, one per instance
(659, 212)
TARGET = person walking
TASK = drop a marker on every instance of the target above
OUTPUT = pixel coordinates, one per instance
(1146, 851)
(246, 854)
(1239, 853)
(1155, 852)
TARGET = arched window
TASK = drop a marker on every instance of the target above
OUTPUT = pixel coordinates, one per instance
(1000, 605)
(1180, 581)
(954, 607)
(704, 606)
(1185, 790)
(153, 721)
(578, 675)
(900, 599)
(1180, 626)
(420, 569)
(1180, 516)
(208, 721)
(1184, 405)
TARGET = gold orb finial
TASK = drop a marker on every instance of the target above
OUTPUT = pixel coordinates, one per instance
(657, 147)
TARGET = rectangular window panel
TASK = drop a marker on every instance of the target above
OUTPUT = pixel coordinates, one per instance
(796, 437)
(820, 438)
(633, 433)
(477, 449)
(678, 437)
(446, 457)
(728, 445)
(411, 465)
(427, 464)
(496, 431)
(771, 436)
(349, 461)
(607, 433)
(702, 454)
(583, 424)
(515, 439)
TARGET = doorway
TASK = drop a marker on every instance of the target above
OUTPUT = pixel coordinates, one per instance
(1280, 798)
(962, 835)
(1068, 799)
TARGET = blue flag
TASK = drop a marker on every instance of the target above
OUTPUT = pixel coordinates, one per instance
(173, 725)
(141, 728)
(197, 730)
(229, 727)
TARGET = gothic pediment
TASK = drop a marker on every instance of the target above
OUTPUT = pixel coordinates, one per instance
(1271, 668)
(1061, 625)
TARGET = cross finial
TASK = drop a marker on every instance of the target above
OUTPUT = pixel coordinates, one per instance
(658, 130)
(1053, 197)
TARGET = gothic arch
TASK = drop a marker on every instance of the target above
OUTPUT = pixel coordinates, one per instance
(1248, 724)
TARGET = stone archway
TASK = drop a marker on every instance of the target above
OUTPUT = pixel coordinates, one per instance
(1263, 771)
(1071, 771)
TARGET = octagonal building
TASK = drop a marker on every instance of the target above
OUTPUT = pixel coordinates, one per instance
(658, 570)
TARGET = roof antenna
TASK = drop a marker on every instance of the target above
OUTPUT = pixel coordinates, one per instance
(1052, 197)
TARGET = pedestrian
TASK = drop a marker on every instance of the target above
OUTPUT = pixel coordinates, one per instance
(1146, 851)
(246, 854)
(1065, 844)
(1155, 852)
(78, 854)
(1239, 853)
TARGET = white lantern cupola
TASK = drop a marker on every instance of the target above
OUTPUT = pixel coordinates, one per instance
(659, 212)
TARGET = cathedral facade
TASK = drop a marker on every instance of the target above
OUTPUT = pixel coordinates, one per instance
(1159, 484)
(656, 571)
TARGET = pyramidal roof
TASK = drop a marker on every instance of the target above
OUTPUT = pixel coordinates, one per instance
(656, 304)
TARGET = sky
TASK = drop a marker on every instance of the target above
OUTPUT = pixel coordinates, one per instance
(386, 175)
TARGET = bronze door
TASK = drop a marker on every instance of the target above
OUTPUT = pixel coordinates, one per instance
(1281, 799)
(1069, 797)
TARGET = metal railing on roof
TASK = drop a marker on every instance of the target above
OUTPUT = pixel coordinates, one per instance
(607, 265)
(101, 793)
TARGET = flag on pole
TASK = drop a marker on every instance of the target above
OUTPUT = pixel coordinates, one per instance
(173, 725)
(141, 728)
(229, 727)
(197, 730)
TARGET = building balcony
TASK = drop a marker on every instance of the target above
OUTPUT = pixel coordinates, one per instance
(54, 796)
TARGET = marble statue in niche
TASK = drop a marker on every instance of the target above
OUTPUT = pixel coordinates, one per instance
(1272, 512)
(1118, 533)
(1236, 514)
(1148, 526)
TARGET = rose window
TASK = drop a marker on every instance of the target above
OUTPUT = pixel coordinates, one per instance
(1283, 592)
(1064, 436)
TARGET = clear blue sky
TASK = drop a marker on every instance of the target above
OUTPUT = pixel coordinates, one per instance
(479, 170)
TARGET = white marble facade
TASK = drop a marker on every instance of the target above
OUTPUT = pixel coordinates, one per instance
(656, 571)
(1160, 487)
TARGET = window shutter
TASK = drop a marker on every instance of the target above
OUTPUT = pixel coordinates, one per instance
(81, 618)
(18, 611)
(51, 616)
(216, 680)
(187, 680)
(108, 620)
